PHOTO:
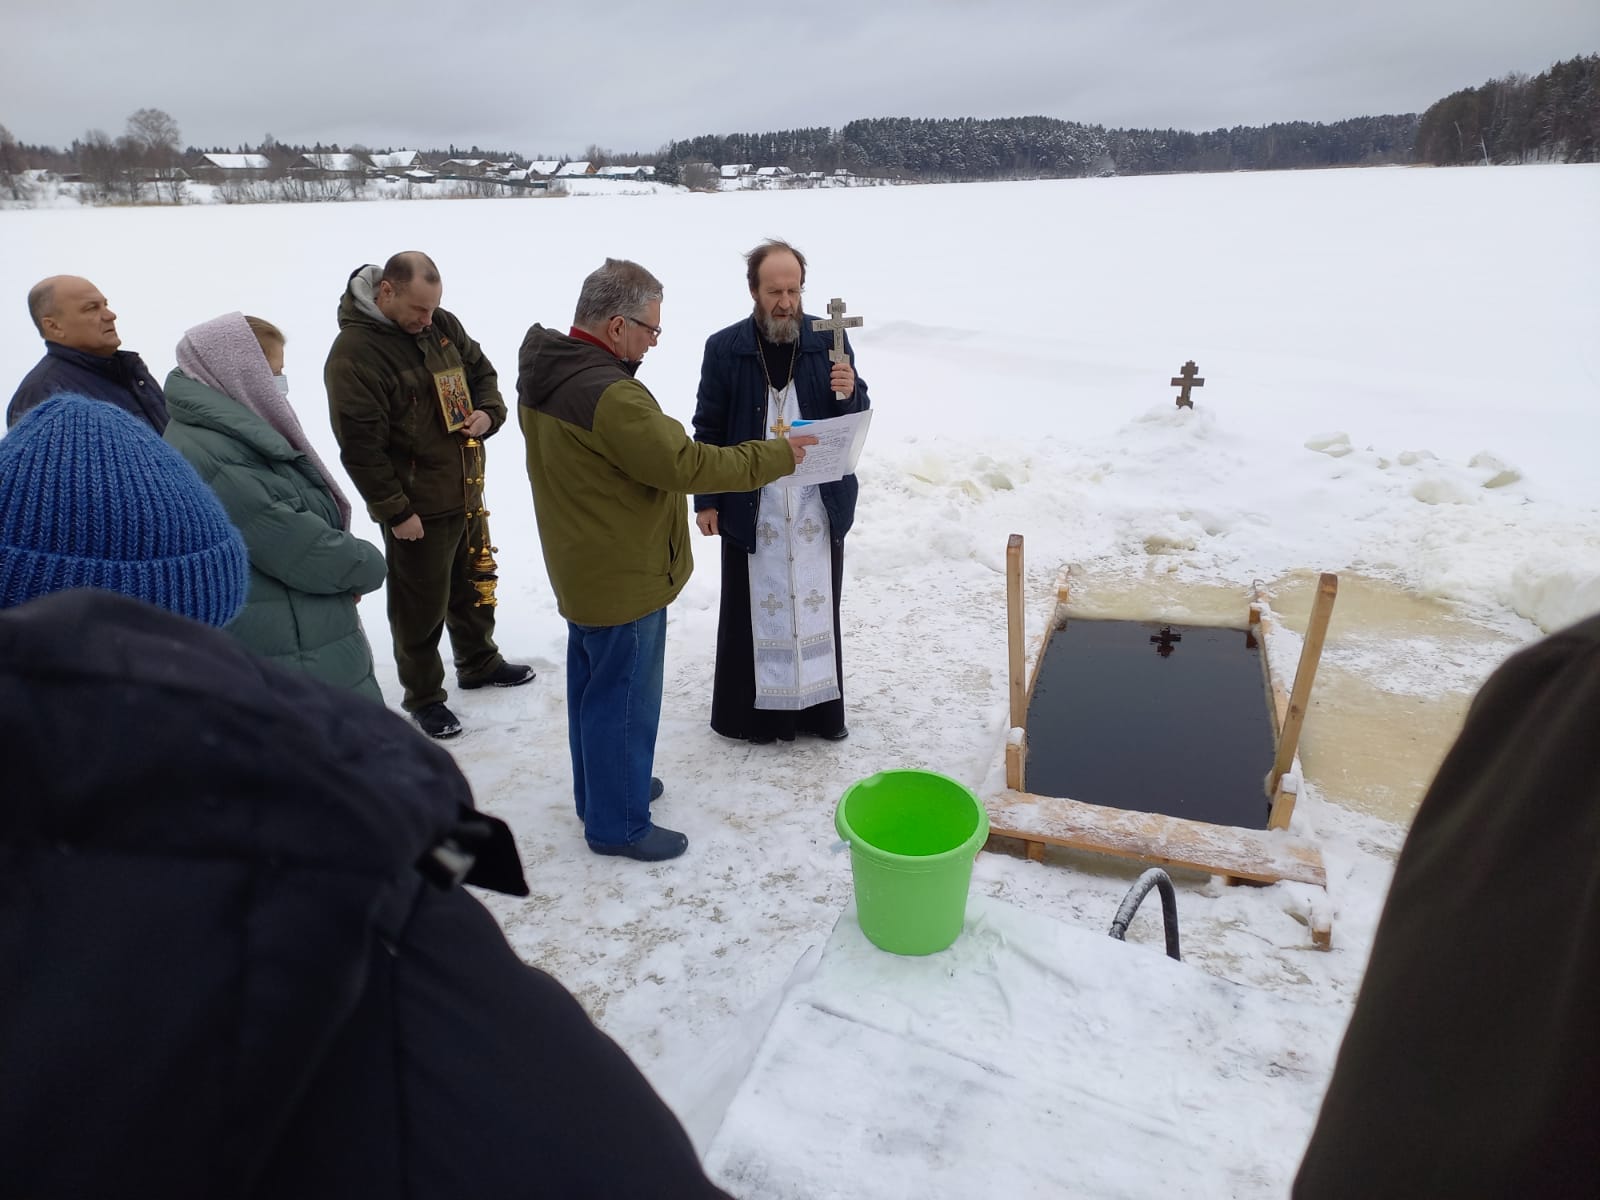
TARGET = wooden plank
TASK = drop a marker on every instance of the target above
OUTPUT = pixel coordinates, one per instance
(1016, 630)
(1300, 698)
(1016, 757)
(1264, 856)
(1321, 926)
(1265, 621)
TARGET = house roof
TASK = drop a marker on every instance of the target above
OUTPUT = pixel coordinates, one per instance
(238, 162)
(334, 162)
(575, 168)
(395, 159)
(544, 166)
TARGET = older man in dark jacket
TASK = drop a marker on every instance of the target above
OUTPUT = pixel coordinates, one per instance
(759, 375)
(81, 355)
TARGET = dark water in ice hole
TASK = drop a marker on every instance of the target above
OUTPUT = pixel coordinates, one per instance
(1116, 721)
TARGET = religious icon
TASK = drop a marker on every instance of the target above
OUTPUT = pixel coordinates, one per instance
(455, 398)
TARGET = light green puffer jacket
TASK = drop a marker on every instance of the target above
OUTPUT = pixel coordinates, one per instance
(305, 571)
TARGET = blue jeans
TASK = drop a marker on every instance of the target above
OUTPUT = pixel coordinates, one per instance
(614, 677)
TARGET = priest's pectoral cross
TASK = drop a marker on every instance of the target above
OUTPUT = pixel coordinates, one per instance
(836, 324)
(781, 427)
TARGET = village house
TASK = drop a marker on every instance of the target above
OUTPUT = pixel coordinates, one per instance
(330, 166)
(224, 168)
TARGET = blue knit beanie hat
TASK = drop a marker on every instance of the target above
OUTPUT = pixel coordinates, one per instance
(91, 497)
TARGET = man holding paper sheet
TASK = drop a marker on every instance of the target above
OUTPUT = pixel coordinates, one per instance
(779, 668)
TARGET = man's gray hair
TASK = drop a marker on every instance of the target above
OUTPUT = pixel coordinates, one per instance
(618, 289)
(41, 302)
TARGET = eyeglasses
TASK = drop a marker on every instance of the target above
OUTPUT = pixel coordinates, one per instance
(655, 330)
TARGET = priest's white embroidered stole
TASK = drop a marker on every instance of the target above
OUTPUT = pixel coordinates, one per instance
(791, 590)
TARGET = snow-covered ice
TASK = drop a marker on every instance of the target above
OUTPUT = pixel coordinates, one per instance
(1402, 378)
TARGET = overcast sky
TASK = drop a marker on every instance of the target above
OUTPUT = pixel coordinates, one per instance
(554, 79)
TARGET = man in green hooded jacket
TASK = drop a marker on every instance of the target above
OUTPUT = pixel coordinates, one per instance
(611, 475)
(406, 388)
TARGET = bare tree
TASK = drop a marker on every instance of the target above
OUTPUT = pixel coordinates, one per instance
(154, 130)
(12, 167)
(102, 164)
(153, 137)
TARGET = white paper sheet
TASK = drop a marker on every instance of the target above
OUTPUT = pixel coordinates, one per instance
(839, 442)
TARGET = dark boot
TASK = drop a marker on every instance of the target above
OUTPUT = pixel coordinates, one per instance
(437, 721)
(505, 675)
(656, 846)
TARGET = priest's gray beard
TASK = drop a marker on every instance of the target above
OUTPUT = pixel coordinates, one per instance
(778, 330)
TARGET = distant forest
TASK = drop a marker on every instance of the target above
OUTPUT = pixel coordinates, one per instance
(1550, 117)
(1044, 147)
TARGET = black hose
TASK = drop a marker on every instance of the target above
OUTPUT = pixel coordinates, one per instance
(1155, 877)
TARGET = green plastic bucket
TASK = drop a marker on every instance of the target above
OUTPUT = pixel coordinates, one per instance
(913, 836)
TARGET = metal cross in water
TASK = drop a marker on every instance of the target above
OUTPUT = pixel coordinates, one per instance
(836, 324)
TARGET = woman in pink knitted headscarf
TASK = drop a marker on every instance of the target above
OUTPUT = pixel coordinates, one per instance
(231, 418)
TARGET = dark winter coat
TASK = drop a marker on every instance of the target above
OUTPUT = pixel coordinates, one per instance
(1471, 1067)
(610, 472)
(732, 407)
(305, 570)
(234, 960)
(120, 378)
(385, 408)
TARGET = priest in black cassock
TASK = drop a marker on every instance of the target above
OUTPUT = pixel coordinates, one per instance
(779, 667)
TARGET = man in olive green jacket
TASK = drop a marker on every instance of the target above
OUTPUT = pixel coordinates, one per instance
(611, 473)
(406, 388)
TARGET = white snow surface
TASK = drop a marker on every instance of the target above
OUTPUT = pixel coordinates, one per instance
(1402, 377)
(1000, 1067)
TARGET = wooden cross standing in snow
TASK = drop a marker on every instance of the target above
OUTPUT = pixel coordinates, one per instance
(1186, 380)
(836, 324)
